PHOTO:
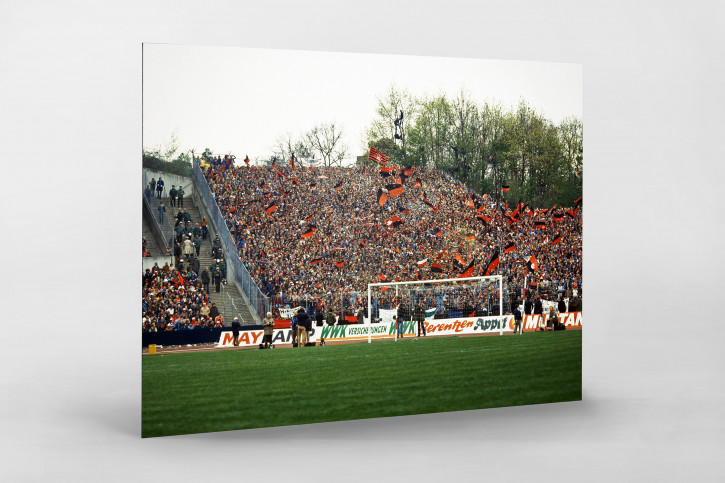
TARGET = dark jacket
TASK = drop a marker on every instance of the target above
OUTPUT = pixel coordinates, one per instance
(304, 321)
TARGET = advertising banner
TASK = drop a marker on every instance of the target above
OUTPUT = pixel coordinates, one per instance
(249, 338)
(571, 320)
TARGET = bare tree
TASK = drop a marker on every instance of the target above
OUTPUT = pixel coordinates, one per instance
(325, 140)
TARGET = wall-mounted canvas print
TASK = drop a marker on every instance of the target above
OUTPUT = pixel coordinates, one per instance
(336, 236)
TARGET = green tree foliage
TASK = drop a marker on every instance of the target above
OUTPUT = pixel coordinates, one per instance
(484, 145)
(165, 158)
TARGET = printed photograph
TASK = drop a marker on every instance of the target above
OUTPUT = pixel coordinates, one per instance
(336, 236)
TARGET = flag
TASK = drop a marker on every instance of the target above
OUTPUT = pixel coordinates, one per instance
(351, 319)
(270, 208)
(509, 248)
(436, 267)
(294, 180)
(363, 244)
(422, 197)
(556, 239)
(279, 173)
(274, 163)
(394, 222)
(388, 169)
(531, 265)
(286, 193)
(382, 278)
(262, 185)
(316, 261)
(384, 174)
(483, 219)
(262, 253)
(459, 259)
(570, 213)
(437, 232)
(339, 264)
(539, 224)
(505, 188)
(509, 218)
(378, 157)
(308, 233)
(418, 183)
(558, 217)
(384, 288)
(381, 197)
(246, 160)
(313, 184)
(422, 262)
(308, 218)
(493, 263)
(338, 186)
(470, 237)
(292, 162)
(472, 314)
(394, 189)
(468, 272)
(408, 170)
(578, 200)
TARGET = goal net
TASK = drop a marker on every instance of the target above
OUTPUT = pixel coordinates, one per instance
(434, 300)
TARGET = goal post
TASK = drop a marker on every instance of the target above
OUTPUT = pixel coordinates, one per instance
(438, 299)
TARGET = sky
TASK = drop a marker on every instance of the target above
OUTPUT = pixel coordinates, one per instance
(240, 101)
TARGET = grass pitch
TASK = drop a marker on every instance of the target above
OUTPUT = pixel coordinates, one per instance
(238, 389)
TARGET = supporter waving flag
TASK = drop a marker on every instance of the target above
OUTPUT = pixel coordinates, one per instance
(509, 248)
(556, 239)
(418, 183)
(340, 264)
(316, 261)
(531, 265)
(422, 263)
(436, 267)
(394, 189)
(271, 208)
(378, 157)
(483, 219)
(468, 272)
(578, 200)
(246, 160)
(492, 264)
(338, 185)
(381, 197)
(308, 233)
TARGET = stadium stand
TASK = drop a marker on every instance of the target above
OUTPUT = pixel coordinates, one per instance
(320, 235)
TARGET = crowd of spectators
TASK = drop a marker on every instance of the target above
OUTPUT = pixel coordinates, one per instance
(320, 235)
(174, 299)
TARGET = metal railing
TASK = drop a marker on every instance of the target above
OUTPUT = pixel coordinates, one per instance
(163, 228)
(258, 302)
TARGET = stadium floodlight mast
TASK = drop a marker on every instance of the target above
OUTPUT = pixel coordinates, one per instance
(498, 278)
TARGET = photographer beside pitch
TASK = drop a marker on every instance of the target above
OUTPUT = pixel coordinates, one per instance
(304, 324)
(268, 324)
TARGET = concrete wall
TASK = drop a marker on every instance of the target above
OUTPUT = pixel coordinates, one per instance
(174, 179)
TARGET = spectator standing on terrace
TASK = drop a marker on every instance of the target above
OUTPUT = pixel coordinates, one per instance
(214, 311)
(177, 254)
(188, 248)
(172, 196)
(204, 229)
(561, 305)
(162, 210)
(159, 187)
(205, 280)
(153, 186)
(330, 318)
(268, 325)
(235, 331)
(147, 193)
(180, 196)
(197, 244)
(305, 326)
(539, 310)
(360, 316)
(318, 317)
(204, 310)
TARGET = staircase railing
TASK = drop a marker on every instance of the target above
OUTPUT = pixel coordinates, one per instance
(258, 302)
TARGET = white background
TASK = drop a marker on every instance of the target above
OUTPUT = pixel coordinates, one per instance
(70, 131)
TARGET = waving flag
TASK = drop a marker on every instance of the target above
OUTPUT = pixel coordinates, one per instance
(378, 157)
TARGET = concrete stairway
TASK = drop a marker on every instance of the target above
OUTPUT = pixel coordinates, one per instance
(153, 247)
(229, 298)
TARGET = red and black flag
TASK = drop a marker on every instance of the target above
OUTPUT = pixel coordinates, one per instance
(313, 184)
(382, 198)
(544, 211)
(540, 224)
(262, 185)
(403, 210)
(483, 219)
(378, 157)
(436, 267)
(505, 187)
(292, 162)
(425, 200)
(531, 264)
(556, 239)
(402, 178)
(418, 183)
(558, 217)
(534, 284)
(270, 208)
(578, 200)
(246, 160)
(274, 163)
(384, 174)
(279, 173)
(363, 244)
(309, 218)
(394, 189)
(510, 218)
(338, 185)
(408, 170)
(468, 272)
(308, 233)
(382, 278)
(316, 261)
(286, 193)
(493, 263)
(509, 248)
(388, 169)
(570, 213)
(339, 264)
(262, 253)
(294, 180)
(437, 232)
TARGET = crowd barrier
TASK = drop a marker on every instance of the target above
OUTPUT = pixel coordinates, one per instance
(258, 302)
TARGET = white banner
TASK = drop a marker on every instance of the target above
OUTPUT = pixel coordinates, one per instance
(249, 338)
